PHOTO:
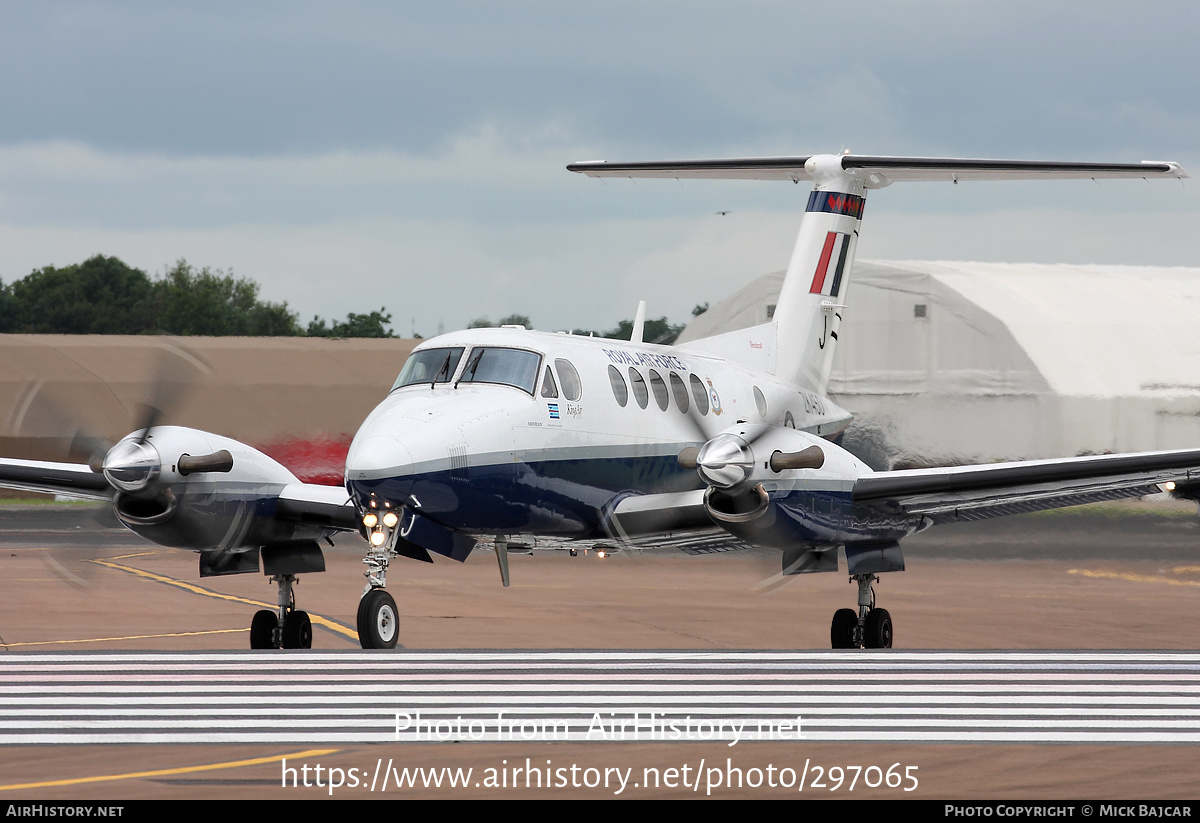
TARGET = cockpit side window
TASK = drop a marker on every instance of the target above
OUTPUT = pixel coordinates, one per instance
(572, 388)
(429, 366)
(549, 389)
(509, 367)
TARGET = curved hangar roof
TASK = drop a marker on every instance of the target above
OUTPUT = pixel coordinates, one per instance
(1002, 328)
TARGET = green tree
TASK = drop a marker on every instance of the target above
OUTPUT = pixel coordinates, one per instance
(188, 301)
(653, 331)
(356, 325)
(510, 320)
(101, 295)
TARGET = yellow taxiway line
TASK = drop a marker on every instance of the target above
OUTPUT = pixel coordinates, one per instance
(200, 590)
(130, 637)
(1105, 574)
(106, 778)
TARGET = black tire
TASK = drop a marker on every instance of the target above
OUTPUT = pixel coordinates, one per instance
(841, 633)
(877, 632)
(262, 630)
(378, 620)
(297, 631)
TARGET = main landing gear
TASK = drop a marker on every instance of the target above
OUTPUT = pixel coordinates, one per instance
(290, 628)
(871, 628)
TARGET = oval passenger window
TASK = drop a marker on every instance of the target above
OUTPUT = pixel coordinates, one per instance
(660, 390)
(680, 392)
(699, 394)
(620, 390)
(640, 393)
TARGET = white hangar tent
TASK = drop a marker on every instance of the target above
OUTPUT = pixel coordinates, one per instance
(945, 362)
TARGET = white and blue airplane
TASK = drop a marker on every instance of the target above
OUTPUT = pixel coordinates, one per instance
(515, 436)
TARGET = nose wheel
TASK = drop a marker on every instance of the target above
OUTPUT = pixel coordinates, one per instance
(871, 628)
(378, 623)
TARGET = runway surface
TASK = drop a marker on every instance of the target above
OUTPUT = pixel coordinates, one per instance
(91, 605)
(610, 696)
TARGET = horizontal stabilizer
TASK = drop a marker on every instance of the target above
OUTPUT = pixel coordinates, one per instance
(879, 171)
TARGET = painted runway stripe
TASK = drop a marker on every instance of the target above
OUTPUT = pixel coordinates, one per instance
(347, 698)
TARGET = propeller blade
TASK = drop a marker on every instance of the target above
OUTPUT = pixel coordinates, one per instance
(175, 371)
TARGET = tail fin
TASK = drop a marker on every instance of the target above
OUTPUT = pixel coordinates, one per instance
(810, 306)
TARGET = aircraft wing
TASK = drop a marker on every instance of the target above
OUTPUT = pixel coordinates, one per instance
(70, 479)
(309, 503)
(880, 170)
(947, 495)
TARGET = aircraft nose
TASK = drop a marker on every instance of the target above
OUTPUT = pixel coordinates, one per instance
(376, 456)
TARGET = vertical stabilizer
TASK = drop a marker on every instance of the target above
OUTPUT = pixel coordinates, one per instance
(809, 312)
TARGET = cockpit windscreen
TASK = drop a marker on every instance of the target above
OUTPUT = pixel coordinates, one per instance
(511, 367)
(429, 366)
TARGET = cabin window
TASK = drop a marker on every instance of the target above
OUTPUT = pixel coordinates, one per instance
(699, 394)
(659, 387)
(508, 367)
(760, 401)
(640, 394)
(429, 366)
(549, 389)
(572, 389)
(680, 392)
(620, 390)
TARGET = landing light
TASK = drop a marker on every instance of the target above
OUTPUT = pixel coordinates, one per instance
(1169, 485)
(377, 538)
(369, 520)
(390, 520)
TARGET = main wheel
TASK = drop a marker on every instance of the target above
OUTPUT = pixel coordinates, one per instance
(378, 625)
(877, 631)
(297, 631)
(262, 630)
(841, 633)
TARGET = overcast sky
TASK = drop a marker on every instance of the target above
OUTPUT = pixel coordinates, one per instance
(412, 156)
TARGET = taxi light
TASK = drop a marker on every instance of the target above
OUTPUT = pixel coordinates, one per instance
(369, 520)
(377, 538)
(390, 520)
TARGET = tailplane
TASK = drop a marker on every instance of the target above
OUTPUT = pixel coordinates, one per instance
(809, 313)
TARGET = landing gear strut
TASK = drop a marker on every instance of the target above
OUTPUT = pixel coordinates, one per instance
(290, 628)
(378, 619)
(871, 628)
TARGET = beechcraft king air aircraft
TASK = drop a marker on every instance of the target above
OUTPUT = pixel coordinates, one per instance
(512, 435)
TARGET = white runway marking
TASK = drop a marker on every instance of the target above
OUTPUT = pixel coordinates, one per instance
(346, 698)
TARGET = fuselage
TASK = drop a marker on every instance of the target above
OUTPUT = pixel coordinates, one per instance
(510, 431)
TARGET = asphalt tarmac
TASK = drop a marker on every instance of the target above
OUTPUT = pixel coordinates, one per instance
(1097, 579)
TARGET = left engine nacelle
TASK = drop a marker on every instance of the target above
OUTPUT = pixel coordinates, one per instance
(189, 489)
